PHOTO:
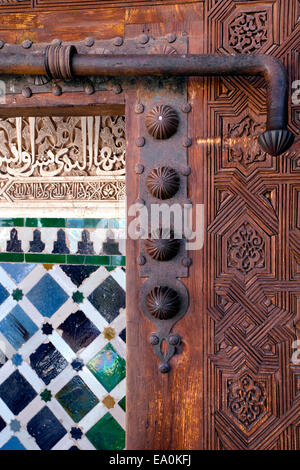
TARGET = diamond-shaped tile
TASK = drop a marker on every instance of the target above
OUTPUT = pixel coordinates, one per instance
(17, 327)
(78, 274)
(3, 358)
(76, 398)
(47, 362)
(108, 298)
(13, 444)
(46, 429)
(47, 296)
(107, 434)
(78, 331)
(108, 367)
(2, 424)
(18, 271)
(16, 392)
(3, 294)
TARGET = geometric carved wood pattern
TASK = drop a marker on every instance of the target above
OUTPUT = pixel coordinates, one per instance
(254, 244)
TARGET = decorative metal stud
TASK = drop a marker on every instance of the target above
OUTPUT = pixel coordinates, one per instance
(139, 168)
(89, 42)
(139, 108)
(162, 122)
(187, 142)
(141, 260)
(163, 302)
(27, 44)
(162, 248)
(153, 339)
(143, 38)
(117, 89)
(118, 41)
(140, 141)
(186, 171)
(163, 182)
(174, 339)
(171, 37)
(186, 262)
(186, 108)
(164, 368)
(89, 89)
(56, 90)
(276, 142)
(27, 92)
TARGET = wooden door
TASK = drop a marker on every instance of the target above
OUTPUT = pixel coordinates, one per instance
(235, 382)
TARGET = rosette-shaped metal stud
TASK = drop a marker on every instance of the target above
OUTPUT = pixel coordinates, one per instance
(163, 302)
(276, 142)
(162, 121)
(163, 182)
(161, 247)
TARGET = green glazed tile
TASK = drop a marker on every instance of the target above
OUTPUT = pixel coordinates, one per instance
(88, 259)
(87, 223)
(45, 259)
(118, 260)
(110, 268)
(12, 257)
(107, 434)
(8, 222)
(122, 403)
(76, 398)
(32, 222)
(108, 367)
(49, 222)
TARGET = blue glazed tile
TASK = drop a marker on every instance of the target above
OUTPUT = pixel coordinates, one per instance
(108, 298)
(78, 331)
(15, 425)
(16, 392)
(3, 294)
(47, 296)
(2, 424)
(46, 429)
(17, 271)
(13, 444)
(78, 274)
(60, 245)
(47, 362)
(76, 398)
(108, 367)
(17, 327)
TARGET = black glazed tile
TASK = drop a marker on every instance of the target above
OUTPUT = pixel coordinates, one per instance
(78, 331)
(47, 362)
(123, 335)
(108, 298)
(78, 274)
(60, 245)
(46, 429)
(16, 392)
(110, 246)
(2, 424)
(14, 244)
(74, 448)
(85, 246)
(37, 245)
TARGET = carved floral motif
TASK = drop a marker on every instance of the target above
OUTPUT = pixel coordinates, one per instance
(248, 32)
(247, 400)
(246, 249)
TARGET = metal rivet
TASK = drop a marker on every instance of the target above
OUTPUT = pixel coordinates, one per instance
(27, 44)
(141, 260)
(56, 42)
(89, 42)
(164, 368)
(27, 92)
(187, 142)
(174, 340)
(56, 90)
(140, 201)
(118, 41)
(186, 108)
(140, 142)
(139, 168)
(89, 89)
(171, 37)
(186, 171)
(139, 108)
(143, 38)
(186, 262)
(153, 339)
(2, 44)
(117, 89)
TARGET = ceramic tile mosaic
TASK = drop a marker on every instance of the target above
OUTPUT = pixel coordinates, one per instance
(62, 341)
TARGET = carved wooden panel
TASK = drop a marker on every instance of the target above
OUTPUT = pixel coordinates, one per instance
(253, 241)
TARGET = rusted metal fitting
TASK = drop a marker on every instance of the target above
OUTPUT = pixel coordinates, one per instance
(58, 61)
